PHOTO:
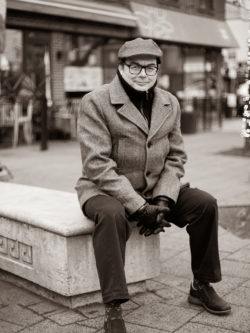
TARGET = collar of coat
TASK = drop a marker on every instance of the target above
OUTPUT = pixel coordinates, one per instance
(161, 108)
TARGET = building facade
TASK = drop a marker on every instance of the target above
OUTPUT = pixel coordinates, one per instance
(67, 48)
(235, 60)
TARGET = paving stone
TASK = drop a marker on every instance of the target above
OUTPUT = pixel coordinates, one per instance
(146, 298)
(169, 253)
(5, 285)
(239, 296)
(175, 281)
(228, 284)
(234, 268)
(18, 315)
(161, 316)
(15, 295)
(177, 266)
(231, 243)
(173, 296)
(49, 327)
(238, 320)
(221, 230)
(224, 254)
(93, 322)
(154, 285)
(92, 311)
(132, 328)
(198, 328)
(45, 307)
(241, 255)
(128, 306)
(65, 317)
(6, 327)
(246, 284)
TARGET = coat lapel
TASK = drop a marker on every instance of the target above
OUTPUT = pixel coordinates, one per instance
(127, 109)
(160, 111)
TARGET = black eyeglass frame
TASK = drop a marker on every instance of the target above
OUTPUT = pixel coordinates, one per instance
(145, 68)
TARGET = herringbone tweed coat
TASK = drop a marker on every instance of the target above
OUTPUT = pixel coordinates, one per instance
(121, 156)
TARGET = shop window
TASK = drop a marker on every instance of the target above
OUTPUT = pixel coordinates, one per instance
(173, 3)
(171, 69)
(83, 70)
(194, 74)
(13, 51)
(110, 60)
(206, 5)
(11, 64)
(91, 61)
(191, 4)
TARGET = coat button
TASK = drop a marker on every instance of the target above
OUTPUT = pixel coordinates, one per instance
(149, 144)
(148, 173)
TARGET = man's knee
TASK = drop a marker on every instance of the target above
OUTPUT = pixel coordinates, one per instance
(207, 209)
(110, 206)
(207, 201)
(105, 209)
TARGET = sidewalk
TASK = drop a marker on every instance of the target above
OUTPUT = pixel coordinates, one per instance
(164, 308)
(226, 177)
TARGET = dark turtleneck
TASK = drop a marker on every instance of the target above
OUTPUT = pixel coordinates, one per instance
(143, 100)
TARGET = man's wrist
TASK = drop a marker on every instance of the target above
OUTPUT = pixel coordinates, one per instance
(161, 199)
(139, 211)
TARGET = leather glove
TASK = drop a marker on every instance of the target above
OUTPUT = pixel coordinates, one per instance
(163, 201)
(147, 217)
(161, 219)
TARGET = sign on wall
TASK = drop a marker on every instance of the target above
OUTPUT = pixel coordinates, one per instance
(82, 79)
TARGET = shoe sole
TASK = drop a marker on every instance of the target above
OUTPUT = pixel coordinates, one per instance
(197, 301)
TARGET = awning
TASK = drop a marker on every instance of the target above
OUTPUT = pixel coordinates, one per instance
(169, 25)
(78, 9)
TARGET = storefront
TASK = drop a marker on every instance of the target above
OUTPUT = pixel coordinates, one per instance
(192, 61)
(63, 50)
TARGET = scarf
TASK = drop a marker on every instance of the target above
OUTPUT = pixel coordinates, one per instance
(143, 100)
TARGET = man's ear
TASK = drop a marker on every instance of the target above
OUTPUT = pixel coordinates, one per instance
(120, 67)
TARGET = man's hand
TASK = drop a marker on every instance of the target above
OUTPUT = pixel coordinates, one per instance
(166, 202)
(151, 218)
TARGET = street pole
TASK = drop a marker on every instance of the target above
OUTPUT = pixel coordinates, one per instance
(44, 124)
(2, 31)
(45, 103)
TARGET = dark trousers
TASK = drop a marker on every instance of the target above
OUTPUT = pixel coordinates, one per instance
(195, 209)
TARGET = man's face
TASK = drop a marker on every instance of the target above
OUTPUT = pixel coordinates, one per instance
(141, 81)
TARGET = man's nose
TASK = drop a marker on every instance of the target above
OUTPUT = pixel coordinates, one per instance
(143, 72)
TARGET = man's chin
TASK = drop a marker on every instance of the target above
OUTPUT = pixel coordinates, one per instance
(142, 87)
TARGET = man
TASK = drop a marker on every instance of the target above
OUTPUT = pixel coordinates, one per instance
(133, 156)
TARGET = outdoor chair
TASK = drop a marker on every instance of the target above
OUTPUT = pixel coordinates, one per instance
(11, 115)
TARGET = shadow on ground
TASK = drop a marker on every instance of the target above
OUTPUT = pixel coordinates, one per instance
(236, 219)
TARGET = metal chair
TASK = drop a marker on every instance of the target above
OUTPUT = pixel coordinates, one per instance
(12, 116)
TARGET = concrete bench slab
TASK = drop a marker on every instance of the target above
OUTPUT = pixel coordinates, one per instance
(45, 239)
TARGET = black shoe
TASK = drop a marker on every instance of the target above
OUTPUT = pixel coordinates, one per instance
(205, 295)
(113, 319)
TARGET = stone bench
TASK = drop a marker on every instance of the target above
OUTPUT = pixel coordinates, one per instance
(46, 246)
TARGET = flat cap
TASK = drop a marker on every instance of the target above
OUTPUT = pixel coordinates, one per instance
(139, 46)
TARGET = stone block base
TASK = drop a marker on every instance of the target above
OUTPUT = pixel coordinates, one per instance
(46, 240)
(71, 302)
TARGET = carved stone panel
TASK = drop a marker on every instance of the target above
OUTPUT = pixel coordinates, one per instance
(15, 250)
(25, 253)
(3, 245)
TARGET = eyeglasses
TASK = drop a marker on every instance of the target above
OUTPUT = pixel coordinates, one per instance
(136, 69)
